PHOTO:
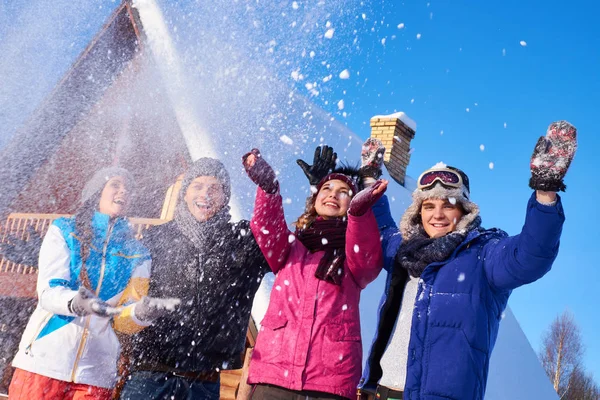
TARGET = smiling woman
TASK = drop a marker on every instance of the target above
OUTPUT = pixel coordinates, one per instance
(92, 276)
(323, 266)
(115, 197)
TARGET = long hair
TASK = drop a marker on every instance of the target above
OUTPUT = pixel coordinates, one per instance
(85, 233)
(309, 216)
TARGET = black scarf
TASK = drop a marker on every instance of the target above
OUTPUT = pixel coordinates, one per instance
(416, 253)
(328, 235)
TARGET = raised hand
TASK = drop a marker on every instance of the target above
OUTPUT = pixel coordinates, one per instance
(365, 199)
(260, 172)
(371, 160)
(324, 162)
(552, 156)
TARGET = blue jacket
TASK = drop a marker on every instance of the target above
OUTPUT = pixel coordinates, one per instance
(460, 302)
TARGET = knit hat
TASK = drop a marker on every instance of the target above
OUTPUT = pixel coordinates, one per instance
(411, 220)
(347, 174)
(98, 181)
(207, 167)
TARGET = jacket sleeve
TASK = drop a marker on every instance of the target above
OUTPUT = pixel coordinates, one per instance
(270, 229)
(363, 248)
(138, 285)
(390, 234)
(54, 284)
(514, 261)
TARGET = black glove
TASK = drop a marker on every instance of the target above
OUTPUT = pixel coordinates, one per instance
(21, 251)
(371, 161)
(324, 162)
(552, 156)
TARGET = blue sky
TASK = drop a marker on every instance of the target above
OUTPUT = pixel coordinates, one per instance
(458, 63)
(468, 56)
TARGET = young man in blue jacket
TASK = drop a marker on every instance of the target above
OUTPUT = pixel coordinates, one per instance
(449, 279)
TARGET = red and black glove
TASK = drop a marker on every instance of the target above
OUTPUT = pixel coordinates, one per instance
(364, 200)
(552, 156)
(261, 172)
(371, 159)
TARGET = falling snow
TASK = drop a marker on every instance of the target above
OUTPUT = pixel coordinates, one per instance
(286, 139)
(329, 33)
(345, 74)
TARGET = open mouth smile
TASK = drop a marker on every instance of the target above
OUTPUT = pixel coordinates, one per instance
(331, 204)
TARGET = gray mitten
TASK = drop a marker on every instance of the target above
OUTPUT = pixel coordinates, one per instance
(150, 308)
(86, 302)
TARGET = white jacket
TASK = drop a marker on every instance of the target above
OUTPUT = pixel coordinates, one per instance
(61, 345)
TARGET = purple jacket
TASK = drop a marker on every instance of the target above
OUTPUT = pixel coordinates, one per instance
(310, 336)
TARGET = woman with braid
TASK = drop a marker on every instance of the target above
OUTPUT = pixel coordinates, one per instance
(93, 275)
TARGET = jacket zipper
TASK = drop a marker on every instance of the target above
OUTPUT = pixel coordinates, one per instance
(84, 336)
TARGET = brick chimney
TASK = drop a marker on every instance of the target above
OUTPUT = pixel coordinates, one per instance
(395, 131)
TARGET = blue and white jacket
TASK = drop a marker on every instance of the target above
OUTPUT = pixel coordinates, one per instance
(460, 302)
(61, 345)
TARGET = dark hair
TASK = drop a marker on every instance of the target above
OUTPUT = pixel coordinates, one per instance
(83, 229)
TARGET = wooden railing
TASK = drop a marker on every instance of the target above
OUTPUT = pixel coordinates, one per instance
(18, 280)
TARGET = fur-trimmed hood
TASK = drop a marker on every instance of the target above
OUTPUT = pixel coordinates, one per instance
(410, 225)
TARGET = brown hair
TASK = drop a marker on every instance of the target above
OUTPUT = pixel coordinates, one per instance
(309, 216)
(84, 231)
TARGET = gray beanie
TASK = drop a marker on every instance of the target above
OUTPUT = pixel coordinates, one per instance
(98, 181)
(207, 167)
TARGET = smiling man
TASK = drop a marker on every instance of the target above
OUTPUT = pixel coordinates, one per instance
(449, 279)
(214, 267)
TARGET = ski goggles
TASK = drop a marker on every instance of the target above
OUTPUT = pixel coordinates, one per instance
(445, 176)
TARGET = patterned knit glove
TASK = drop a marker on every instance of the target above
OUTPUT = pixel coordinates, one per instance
(362, 202)
(324, 162)
(260, 171)
(371, 160)
(552, 156)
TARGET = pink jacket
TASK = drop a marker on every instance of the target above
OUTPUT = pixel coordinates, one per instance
(310, 336)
